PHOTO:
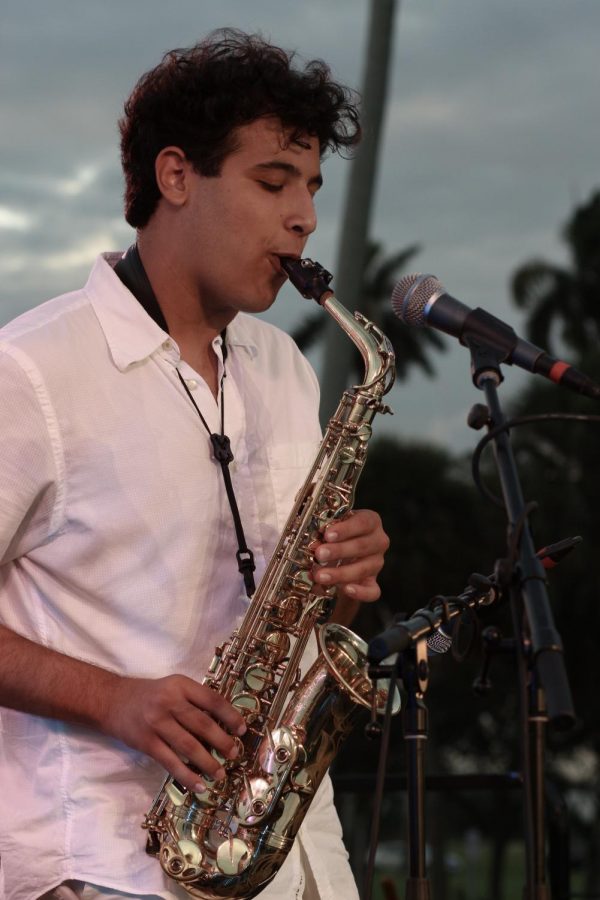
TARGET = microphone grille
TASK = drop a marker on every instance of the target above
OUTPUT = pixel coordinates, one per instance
(439, 641)
(411, 296)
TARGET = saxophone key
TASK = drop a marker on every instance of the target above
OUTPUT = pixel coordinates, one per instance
(348, 455)
(302, 579)
(208, 797)
(248, 705)
(278, 751)
(276, 647)
(364, 432)
(254, 800)
(175, 794)
(258, 677)
(190, 851)
(172, 861)
(288, 610)
(233, 855)
(326, 516)
(302, 783)
(214, 664)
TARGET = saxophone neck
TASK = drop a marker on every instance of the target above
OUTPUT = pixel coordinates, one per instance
(312, 281)
(374, 347)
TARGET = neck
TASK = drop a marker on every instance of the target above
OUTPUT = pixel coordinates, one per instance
(189, 324)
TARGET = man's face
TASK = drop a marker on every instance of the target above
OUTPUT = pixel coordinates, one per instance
(261, 207)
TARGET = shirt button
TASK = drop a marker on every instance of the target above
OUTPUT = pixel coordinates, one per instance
(191, 383)
(167, 345)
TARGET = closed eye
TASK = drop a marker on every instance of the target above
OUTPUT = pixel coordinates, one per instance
(273, 188)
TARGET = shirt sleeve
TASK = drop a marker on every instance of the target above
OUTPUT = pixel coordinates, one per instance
(29, 458)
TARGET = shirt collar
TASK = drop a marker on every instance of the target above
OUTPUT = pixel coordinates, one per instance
(131, 334)
(239, 335)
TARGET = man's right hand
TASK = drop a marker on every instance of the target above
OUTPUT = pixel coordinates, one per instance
(169, 719)
(173, 719)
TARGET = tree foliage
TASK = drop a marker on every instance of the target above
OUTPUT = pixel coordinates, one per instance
(565, 301)
(560, 466)
(442, 530)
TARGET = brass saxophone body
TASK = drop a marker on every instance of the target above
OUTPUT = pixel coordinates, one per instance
(231, 840)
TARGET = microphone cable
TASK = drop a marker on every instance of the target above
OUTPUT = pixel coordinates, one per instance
(506, 426)
(380, 783)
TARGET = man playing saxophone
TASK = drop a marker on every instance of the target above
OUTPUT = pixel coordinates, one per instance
(127, 551)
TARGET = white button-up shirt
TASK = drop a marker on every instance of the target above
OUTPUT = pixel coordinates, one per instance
(117, 547)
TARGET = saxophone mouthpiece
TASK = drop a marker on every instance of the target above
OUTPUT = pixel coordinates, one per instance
(309, 278)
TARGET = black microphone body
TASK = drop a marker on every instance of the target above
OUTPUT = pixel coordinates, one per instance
(481, 591)
(421, 300)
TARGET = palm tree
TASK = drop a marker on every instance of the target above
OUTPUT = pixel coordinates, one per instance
(411, 346)
(565, 302)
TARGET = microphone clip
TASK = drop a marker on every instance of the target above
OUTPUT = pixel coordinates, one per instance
(485, 361)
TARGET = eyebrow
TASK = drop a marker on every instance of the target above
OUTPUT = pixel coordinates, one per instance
(290, 169)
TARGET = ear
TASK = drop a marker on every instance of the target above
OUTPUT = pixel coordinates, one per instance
(173, 171)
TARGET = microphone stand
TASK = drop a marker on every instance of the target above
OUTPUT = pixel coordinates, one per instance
(544, 688)
(408, 639)
(412, 667)
(415, 674)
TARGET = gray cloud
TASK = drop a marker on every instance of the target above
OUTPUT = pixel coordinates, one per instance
(491, 137)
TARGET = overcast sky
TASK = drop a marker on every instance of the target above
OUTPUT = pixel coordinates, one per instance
(492, 136)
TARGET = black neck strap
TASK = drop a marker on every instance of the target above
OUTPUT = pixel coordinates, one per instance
(133, 275)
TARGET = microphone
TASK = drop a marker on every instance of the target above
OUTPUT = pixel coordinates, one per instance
(420, 300)
(482, 590)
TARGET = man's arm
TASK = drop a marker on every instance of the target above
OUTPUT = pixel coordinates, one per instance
(345, 610)
(166, 718)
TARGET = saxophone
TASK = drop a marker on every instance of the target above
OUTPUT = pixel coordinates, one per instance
(230, 840)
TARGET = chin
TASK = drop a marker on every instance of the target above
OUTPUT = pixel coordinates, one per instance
(261, 307)
(262, 303)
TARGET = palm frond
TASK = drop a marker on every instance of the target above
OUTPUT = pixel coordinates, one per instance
(381, 277)
(561, 301)
(532, 282)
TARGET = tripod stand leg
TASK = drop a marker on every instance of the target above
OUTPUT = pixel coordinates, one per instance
(537, 888)
(414, 676)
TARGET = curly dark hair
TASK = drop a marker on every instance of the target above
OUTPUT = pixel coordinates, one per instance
(196, 97)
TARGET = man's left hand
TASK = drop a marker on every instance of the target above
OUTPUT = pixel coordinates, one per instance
(351, 555)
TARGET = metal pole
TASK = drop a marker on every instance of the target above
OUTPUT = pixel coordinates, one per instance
(356, 216)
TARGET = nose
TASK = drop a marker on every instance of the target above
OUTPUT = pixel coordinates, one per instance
(302, 218)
